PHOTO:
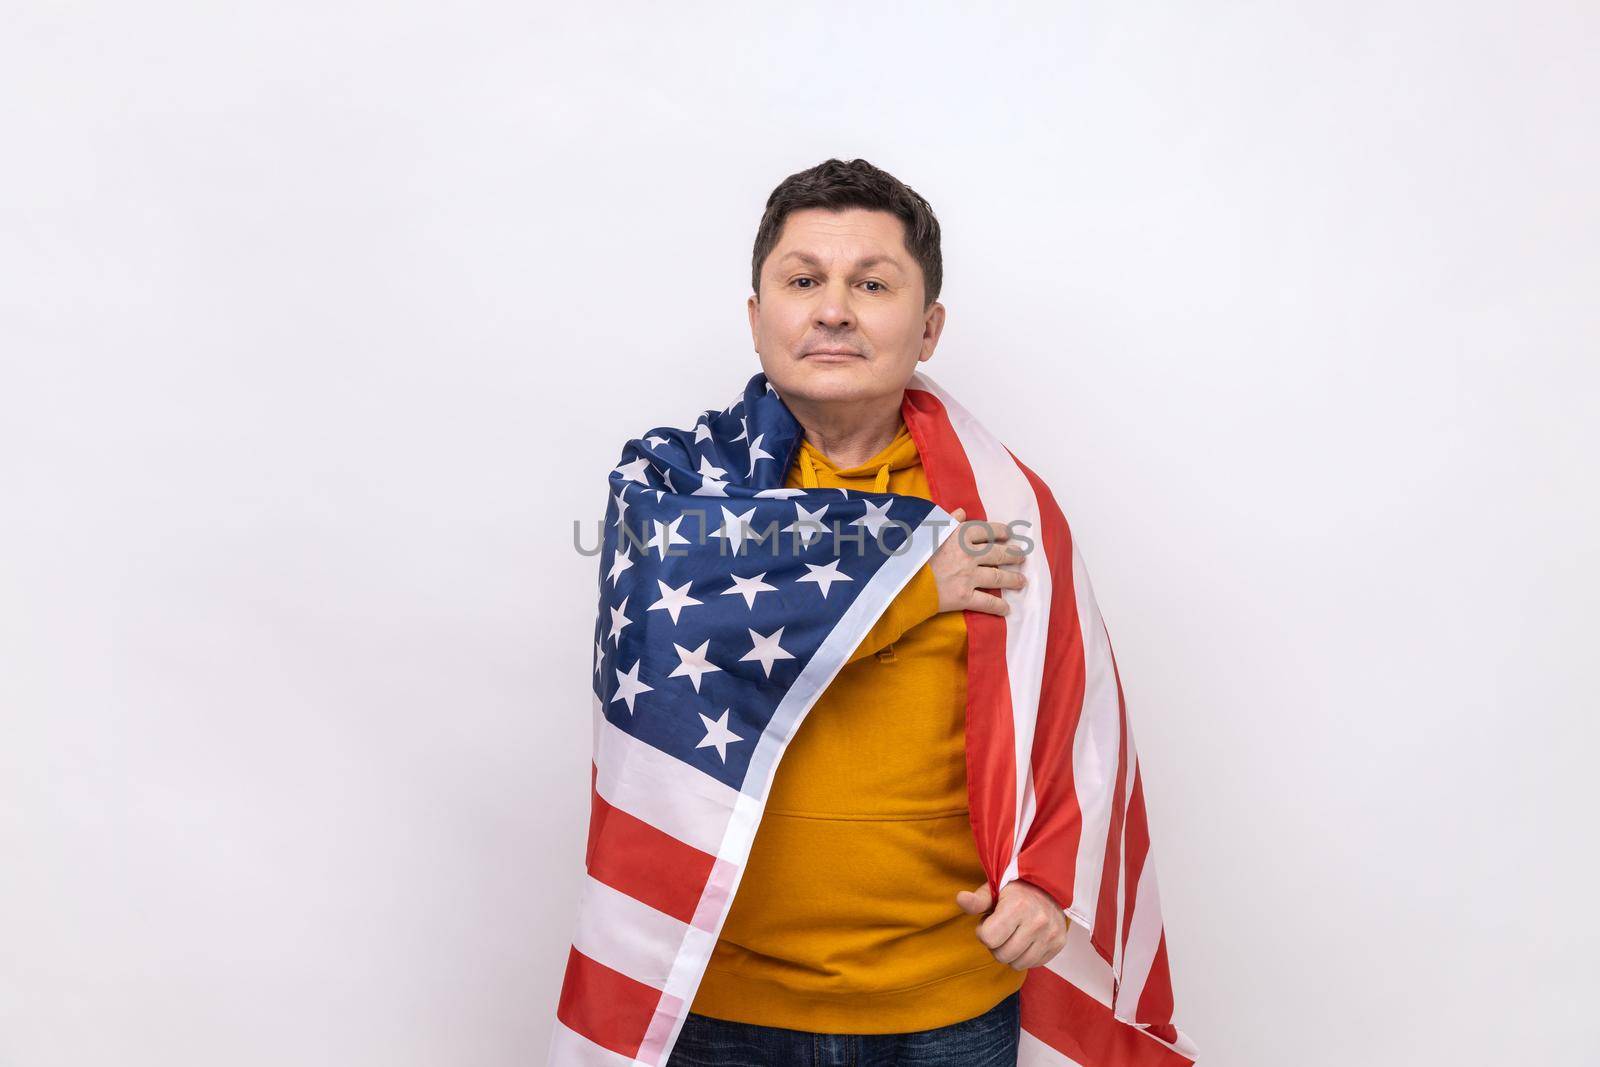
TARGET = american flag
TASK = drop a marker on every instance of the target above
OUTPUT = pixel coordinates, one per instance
(727, 604)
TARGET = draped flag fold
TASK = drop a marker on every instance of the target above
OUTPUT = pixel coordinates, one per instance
(727, 603)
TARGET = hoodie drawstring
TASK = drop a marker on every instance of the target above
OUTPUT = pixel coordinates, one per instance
(808, 474)
(808, 471)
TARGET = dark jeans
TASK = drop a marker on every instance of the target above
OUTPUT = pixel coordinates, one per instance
(987, 1040)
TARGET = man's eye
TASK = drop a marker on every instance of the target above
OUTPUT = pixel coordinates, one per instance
(880, 284)
(799, 280)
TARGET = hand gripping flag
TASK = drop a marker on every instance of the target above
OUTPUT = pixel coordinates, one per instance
(727, 604)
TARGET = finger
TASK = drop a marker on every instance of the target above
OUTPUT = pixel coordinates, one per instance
(1049, 945)
(991, 531)
(979, 532)
(1014, 946)
(975, 902)
(997, 578)
(1052, 946)
(997, 929)
(1001, 554)
(988, 603)
(1039, 952)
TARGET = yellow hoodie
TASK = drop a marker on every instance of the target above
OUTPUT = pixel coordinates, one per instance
(845, 920)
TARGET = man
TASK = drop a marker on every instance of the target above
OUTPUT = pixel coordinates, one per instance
(892, 955)
(844, 802)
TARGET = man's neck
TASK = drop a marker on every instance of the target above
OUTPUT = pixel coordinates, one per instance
(849, 434)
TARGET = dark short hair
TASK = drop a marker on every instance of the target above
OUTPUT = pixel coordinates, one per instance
(836, 185)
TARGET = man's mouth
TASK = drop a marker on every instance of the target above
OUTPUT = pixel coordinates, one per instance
(833, 355)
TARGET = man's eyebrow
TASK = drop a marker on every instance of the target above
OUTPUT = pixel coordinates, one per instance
(870, 261)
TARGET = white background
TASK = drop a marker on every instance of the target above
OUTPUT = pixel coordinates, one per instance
(322, 323)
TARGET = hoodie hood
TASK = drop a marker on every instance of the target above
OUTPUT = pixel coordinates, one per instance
(896, 455)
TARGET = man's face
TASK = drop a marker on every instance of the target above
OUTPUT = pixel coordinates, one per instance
(842, 280)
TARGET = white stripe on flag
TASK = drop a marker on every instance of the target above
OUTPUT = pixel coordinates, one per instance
(1144, 937)
(627, 935)
(1080, 964)
(1094, 747)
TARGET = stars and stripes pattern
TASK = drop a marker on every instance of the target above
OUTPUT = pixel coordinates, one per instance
(727, 603)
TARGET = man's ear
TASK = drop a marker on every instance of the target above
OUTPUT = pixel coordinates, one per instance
(753, 307)
(932, 327)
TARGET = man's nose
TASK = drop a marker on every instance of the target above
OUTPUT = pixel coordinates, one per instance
(833, 310)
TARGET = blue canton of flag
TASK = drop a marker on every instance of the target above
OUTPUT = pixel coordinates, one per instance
(719, 586)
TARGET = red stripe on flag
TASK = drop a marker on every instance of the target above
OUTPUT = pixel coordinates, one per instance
(1081, 1028)
(605, 1006)
(1105, 916)
(635, 858)
(991, 739)
(1049, 856)
(1138, 846)
(1155, 1001)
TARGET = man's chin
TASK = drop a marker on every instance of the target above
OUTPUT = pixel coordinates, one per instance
(830, 381)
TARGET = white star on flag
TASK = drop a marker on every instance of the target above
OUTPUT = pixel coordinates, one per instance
(708, 470)
(702, 431)
(599, 651)
(876, 518)
(619, 620)
(620, 562)
(749, 587)
(656, 441)
(825, 576)
(807, 524)
(694, 663)
(766, 650)
(673, 600)
(718, 734)
(634, 471)
(629, 686)
(711, 487)
(736, 528)
(666, 536)
(780, 493)
(757, 453)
